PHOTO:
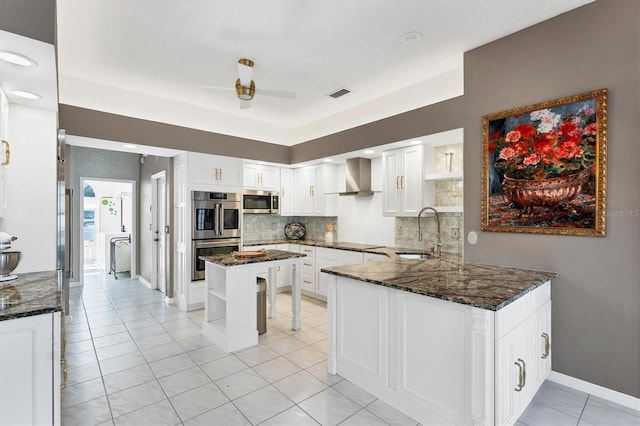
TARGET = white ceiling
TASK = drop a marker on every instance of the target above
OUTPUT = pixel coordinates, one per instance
(143, 58)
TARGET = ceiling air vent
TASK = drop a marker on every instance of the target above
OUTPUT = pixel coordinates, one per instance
(339, 92)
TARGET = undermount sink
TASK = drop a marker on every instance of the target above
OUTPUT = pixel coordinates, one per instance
(415, 255)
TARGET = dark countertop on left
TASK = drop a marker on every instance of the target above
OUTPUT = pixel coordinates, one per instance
(30, 294)
(231, 260)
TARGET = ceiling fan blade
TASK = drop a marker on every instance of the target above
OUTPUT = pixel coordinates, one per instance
(276, 93)
(245, 104)
(245, 74)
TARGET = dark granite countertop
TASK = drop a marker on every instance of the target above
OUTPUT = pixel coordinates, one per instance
(449, 278)
(318, 243)
(231, 260)
(30, 294)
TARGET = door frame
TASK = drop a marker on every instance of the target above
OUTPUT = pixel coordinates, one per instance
(155, 210)
(80, 228)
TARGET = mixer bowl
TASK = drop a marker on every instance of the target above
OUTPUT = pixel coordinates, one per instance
(8, 262)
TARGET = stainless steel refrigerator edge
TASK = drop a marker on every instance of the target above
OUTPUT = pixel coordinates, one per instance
(64, 220)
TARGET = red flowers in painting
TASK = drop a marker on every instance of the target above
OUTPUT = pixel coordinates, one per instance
(546, 143)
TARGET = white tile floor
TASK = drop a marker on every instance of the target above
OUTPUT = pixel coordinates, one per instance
(134, 360)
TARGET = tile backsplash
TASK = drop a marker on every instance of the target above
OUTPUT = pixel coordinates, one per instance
(407, 232)
(259, 227)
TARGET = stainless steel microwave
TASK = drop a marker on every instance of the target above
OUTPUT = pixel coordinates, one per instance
(261, 202)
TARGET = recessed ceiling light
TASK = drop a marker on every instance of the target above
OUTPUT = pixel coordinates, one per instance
(26, 95)
(411, 37)
(17, 59)
(130, 146)
(328, 160)
(369, 151)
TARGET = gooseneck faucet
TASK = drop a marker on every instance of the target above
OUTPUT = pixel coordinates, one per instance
(438, 241)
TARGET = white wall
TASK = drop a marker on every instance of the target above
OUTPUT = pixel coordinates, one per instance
(30, 187)
(360, 219)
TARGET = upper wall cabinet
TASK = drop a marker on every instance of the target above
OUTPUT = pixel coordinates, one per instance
(214, 172)
(261, 177)
(309, 191)
(402, 181)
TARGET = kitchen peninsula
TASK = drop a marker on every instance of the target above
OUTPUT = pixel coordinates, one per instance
(444, 341)
(30, 360)
(230, 307)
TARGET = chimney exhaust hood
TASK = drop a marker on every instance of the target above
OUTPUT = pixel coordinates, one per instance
(358, 176)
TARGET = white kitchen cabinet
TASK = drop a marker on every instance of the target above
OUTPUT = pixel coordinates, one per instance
(196, 172)
(402, 181)
(287, 192)
(4, 149)
(214, 173)
(439, 362)
(315, 190)
(30, 370)
(261, 177)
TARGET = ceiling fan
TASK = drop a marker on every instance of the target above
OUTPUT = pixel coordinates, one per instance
(246, 87)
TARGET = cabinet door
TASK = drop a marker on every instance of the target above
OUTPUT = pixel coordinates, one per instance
(542, 344)
(27, 370)
(512, 362)
(304, 198)
(287, 192)
(231, 171)
(317, 191)
(323, 279)
(391, 183)
(269, 178)
(251, 176)
(411, 180)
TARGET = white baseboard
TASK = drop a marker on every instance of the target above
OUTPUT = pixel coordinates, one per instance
(144, 281)
(596, 390)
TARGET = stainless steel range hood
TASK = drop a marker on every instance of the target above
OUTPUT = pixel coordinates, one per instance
(358, 176)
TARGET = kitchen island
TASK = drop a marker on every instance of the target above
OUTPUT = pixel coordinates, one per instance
(444, 341)
(230, 300)
(30, 361)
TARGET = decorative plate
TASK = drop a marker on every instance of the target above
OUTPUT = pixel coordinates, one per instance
(295, 231)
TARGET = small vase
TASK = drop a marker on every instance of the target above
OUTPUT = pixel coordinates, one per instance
(551, 193)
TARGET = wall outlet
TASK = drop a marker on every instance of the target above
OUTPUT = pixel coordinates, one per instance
(273, 226)
(398, 230)
(455, 233)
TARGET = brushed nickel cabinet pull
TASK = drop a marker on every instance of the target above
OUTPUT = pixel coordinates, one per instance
(401, 182)
(221, 173)
(521, 375)
(7, 153)
(64, 340)
(307, 264)
(397, 182)
(547, 346)
(63, 363)
(307, 282)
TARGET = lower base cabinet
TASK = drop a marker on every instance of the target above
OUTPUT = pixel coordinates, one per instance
(30, 370)
(437, 361)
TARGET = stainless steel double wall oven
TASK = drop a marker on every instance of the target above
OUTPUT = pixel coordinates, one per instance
(216, 222)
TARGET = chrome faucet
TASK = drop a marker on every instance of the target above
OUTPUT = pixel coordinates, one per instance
(438, 240)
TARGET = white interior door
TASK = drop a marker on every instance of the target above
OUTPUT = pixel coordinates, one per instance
(159, 226)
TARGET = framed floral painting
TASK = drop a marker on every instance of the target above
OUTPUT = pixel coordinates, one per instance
(544, 167)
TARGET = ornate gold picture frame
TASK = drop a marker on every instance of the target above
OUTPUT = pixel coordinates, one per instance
(544, 167)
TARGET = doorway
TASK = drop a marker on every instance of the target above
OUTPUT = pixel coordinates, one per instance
(107, 209)
(160, 228)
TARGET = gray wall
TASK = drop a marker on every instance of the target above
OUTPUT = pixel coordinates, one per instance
(152, 165)
(596, 298)
(97, 163)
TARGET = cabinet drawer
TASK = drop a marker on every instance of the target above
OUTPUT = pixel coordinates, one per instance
(329, 254)
(308, 282)
(513, 314)
(308, 265)
(310, 251)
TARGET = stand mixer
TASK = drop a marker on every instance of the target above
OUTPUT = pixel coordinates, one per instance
(8, 259)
